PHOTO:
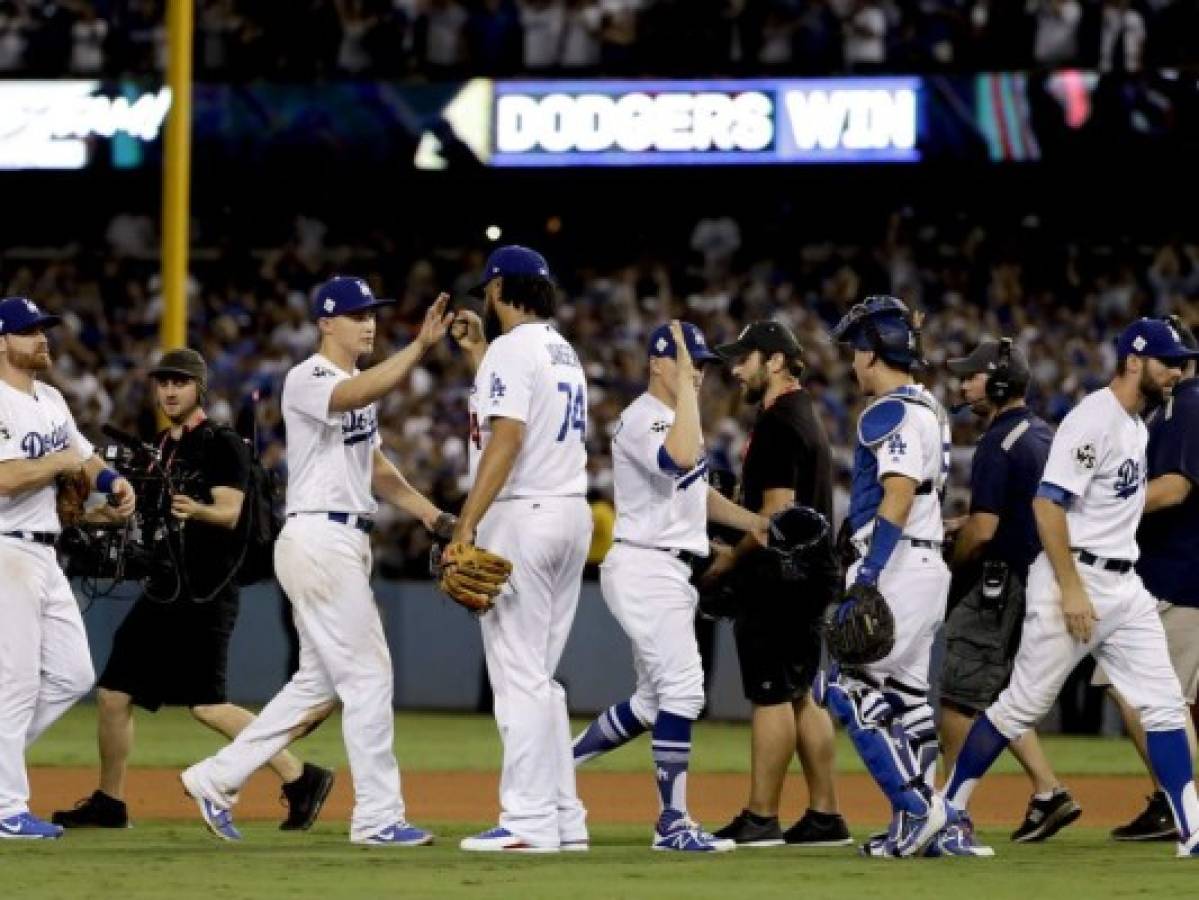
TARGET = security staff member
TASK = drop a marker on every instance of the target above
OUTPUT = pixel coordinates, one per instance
(991, 555)
(776, 627)
(1169, 542)
(172, 647)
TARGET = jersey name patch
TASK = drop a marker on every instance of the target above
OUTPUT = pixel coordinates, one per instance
(37, 445)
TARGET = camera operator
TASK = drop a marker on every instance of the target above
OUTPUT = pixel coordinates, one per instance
(173, 646)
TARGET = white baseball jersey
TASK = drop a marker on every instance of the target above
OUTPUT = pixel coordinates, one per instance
(533, 375)
(329, 454)
(656, 506)
(913, 439)
(32, 425)
(1098, 455)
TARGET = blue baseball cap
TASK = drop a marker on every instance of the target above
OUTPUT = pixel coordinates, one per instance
(1155, 338)
(512, 259)
(661, 343)
(342, 295)
(19, 314)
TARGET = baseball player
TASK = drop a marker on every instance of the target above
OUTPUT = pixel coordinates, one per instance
(663, 503)
(894, 525)
(1169, 540)
(528, 423)
(323, 560)
(45, 664)
(1084, 595)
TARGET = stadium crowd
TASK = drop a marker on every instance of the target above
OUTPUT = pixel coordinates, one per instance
(302, 39)
(1062, 300)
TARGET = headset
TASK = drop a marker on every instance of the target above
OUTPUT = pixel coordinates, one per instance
(1000, 387)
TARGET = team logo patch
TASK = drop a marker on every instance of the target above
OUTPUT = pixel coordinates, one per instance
(660, 346)
(497, 388)
(659, 426)
(1085, 457)
(1128, 479)
(5, 434)
(330, 304)
(321, 372)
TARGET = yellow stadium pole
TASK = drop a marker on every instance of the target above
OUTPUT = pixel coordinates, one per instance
(176, 176)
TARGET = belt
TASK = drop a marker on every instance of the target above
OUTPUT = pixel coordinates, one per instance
(508, 497)
(49, 538)
(1119, 566)
(683, 556)
(363, 524)
(922, 544)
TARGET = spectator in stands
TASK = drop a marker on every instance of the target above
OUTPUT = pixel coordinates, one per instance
(581, 32)
(440, 41)
(865, 30)
(1056, 41)
(542, 21)
(494, 38)
(1121, 38)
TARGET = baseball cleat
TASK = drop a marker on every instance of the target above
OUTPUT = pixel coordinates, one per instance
(28, 827)
(218, 820)
(879, 846)
(686, 836)
(500, 839)
(97, 811)
(580, 846)
(749, 830)
(913, 833)
(401, 834)
(1045, 818)
(957, 839)
(1189, 848)
(305, 796)
(817, 829)
(1155, 823)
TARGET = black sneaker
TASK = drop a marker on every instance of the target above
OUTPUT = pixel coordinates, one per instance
(749, 830)
(1156, 823)
(97, 811)
(1045, 818)
(305, 796)
(817, 829)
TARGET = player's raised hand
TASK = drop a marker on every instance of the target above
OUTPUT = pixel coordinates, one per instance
(682, 355)
(1078, 612)
(436, 323)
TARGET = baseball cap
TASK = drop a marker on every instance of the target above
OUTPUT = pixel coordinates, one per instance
(512, 259)
(1155, 338)
(661, 343)
(985, 358)
(769, 337)
(342, 295)
(185, 362)
(19, 314)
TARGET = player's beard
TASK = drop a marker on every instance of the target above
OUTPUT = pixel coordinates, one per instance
(37, 361)
(1153, 393)
(755, 390)
(492, 327)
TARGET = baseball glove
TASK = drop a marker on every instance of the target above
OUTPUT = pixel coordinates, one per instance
(861, 629)
(73, 489)
(797, 533)
(472, 576)
(715, 602)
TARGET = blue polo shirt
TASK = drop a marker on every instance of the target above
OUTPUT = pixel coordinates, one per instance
(1004, 477)
(1169, 538)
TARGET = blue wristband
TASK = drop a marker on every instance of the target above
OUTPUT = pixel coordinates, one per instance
(105, 480)
(882, 544)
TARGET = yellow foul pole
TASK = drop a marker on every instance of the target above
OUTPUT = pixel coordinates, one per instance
(176, 175)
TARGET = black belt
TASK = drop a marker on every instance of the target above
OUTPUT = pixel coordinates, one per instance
(49, 538)
(683, 556)
(1119, 566)
(922, 544)
(366, 526)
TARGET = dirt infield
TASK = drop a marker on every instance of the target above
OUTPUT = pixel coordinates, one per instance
(617, 798)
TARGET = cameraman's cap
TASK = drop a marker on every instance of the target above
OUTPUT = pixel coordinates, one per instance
(342, 295)
(661, 343)
(769, 337)
(985, 358)
(19, 314)
(1155, 338)
(184, 362)
(512, 259)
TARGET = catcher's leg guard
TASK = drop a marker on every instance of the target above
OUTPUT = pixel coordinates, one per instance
(912, 709)
(880, 740)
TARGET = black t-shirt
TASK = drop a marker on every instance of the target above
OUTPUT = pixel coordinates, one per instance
(789, 448)
(217, 458)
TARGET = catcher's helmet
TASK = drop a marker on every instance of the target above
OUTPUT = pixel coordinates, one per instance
(885, 326)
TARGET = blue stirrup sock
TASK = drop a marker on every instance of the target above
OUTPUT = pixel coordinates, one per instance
(1170, 759)
(672, 756)
(614, 727)
(983, 745)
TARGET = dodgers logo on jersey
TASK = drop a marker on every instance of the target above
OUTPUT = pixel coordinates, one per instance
(497, 388)
(1128, 479)
(358, 426)
(896, 446)
(37, 445)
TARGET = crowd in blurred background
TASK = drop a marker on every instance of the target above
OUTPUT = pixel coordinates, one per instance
(1062, 299)
(302, 39)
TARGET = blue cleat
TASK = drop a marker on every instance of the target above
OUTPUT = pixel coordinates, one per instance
(218, 819)
(912, 833)
(28, 827)
(957, 839)
(678, 833)
(401, 834)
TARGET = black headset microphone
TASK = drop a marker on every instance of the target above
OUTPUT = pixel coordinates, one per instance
(999, 380)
